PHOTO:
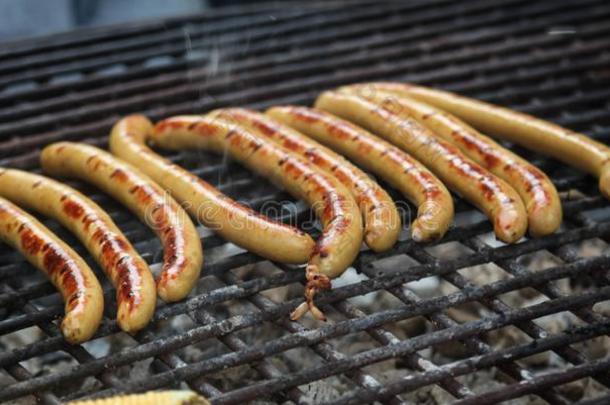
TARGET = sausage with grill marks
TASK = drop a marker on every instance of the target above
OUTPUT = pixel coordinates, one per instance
(183, 256)
(411, 178)
(80, 289)
(341, 238)
(536, 190)
(542, 136)
(490, 194)
(381, 219)
(128, 272)
(233, 221)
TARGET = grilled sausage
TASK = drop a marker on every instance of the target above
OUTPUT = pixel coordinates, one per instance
(493, 196)
(82, 294)
(382, 223)
(342, 235)
(233, 221)
(128, 272)
(150, 398)
(411, 178)
(183, 255)
(536, 190)
(570, 147)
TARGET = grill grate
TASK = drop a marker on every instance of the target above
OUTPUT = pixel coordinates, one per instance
(232, 340)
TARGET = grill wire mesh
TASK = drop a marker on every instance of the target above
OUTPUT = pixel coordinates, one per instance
(534, 330)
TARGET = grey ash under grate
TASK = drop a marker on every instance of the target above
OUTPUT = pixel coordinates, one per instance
(231, 340)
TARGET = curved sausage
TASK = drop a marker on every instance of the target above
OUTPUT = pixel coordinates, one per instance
(341, 238)
(183, 256)
(382, 223)
(233, 221)
(80, 289)
(493, 196)
(411, 178)
(536, 190)
(177, 397)
(549, 139)
(129, 273)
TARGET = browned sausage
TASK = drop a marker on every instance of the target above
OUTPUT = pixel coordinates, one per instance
(493, 196)
(82, 294)
(233, 221)
(183, 255)
(382, 223)
(536, 190)
(128, 272)
(418, 184)
(571, 147)
(342, 235)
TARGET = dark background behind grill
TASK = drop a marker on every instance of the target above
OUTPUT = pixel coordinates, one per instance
(27, 18)
(547, 58)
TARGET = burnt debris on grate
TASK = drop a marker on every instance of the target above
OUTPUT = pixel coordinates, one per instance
(466, 319)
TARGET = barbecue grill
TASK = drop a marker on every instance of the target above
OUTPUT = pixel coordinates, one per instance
(392, 335)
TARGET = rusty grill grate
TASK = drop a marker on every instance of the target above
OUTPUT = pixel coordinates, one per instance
(232, 340)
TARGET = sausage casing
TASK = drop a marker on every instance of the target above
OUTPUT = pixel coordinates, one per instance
(493, 196)
(128, 272)
(80, 289)
(542, 136)
(341, 238)
(183, 256)
(382, 223)
(233, 221)
(536, 190)
(411, 178)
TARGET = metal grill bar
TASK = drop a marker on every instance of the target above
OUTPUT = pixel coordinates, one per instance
(332, 63)
(544, 381)
(150, 41)
(324, 350)
(216, 268)
(480, 347)
(501, 308)
(483, 361)
(226, 326)
(77, 132)
(327, 32)
(95, 36)
(239, 65)
(77, 352)
(286, 27)
(408, 346)
(596, 401)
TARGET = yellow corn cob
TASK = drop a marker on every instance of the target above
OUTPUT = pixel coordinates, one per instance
(150, 398)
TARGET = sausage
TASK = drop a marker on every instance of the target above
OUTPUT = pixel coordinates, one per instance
(411, 178)
(183, 397)
(233, 221)
(80, 289)
(337, 210)
(493, 196)
(549, 139)
(129, 273)
(382, 223)
(183, 256)
(536, 190)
